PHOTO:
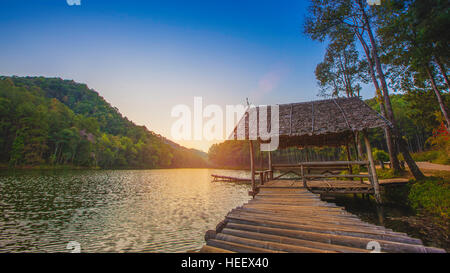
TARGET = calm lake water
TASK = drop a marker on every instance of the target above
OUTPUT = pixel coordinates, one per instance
(147, 211)
(113, 211)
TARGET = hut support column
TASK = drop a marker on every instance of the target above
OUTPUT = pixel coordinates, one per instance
(252, 168)
(375, 184)
(261, 162)
(358, 147)
(270, 166)
(349, 158)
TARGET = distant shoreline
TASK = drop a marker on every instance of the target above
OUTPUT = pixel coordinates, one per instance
(5, 167)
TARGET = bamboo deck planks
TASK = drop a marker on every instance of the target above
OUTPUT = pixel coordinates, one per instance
(290, 219)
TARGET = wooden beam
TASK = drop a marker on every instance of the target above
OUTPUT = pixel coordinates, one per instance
(322, 164)
(337, 176)
(375, 184)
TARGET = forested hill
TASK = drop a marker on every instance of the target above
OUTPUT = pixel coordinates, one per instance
(50, 121)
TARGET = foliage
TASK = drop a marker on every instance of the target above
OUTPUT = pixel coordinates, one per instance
(417, 117)
(440, 151)
(388, 174)
(341, 71)
(427, 156)
(49, 121)
(380, 155)
(415, 45)
(230, 154)
(431, 195)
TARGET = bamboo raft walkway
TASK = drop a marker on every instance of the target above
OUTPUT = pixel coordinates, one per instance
(288, 215)
(222, 178)
(288, 218)
(321, 186)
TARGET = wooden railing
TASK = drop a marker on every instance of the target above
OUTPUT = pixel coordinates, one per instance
(327, 169)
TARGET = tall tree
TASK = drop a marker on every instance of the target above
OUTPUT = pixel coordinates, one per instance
(413, 35)
(326, 19)
(341, 72)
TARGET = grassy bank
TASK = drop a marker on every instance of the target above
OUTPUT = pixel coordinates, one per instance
(439, 152)
(433, 156)
(431, 196)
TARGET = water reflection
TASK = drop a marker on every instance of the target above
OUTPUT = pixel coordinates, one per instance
(113, 211)
(148, 211)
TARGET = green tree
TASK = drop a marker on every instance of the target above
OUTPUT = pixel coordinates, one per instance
(413, 35)
(328, 19)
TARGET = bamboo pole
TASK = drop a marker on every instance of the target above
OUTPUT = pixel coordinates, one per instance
(376, 185)
(270, 166)
(292, 241)
(270, 245)
(235, 247)
(261, 162)
(252, 168)
(304, 177)
(350, 241)
(349, 158)
(211, 249)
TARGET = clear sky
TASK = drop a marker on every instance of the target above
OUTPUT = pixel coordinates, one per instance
(145, 57)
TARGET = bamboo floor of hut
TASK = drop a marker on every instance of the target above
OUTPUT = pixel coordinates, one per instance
(285, 217)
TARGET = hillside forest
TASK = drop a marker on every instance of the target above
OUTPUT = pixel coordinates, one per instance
(54, 122)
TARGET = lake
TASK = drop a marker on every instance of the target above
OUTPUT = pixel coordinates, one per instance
(113, 211)
(148, 210)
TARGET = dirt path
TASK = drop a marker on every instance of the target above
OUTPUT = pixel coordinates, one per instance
(432, 166)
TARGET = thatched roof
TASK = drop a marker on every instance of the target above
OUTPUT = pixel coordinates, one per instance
(317, 123)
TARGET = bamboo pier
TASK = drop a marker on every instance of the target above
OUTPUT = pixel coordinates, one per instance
(222, 178)
(286, 213)
(292, 219)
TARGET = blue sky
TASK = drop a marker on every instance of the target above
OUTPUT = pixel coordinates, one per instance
(145, 57)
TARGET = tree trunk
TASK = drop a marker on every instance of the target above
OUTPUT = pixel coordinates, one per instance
(389, 112)
(439, 97)
(392, 149)
(55, 160)
(443, 71)
(410, 161)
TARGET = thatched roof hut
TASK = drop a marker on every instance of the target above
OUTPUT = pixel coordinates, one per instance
(318, 123)
(332, 122)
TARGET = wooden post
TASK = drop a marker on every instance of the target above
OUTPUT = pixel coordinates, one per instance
(358, 147)
(270, 166)
(358, 152)
(349, 158)
(303, 177)
(376, 185)
(252, 167)
(261, 166)
(355, 146)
